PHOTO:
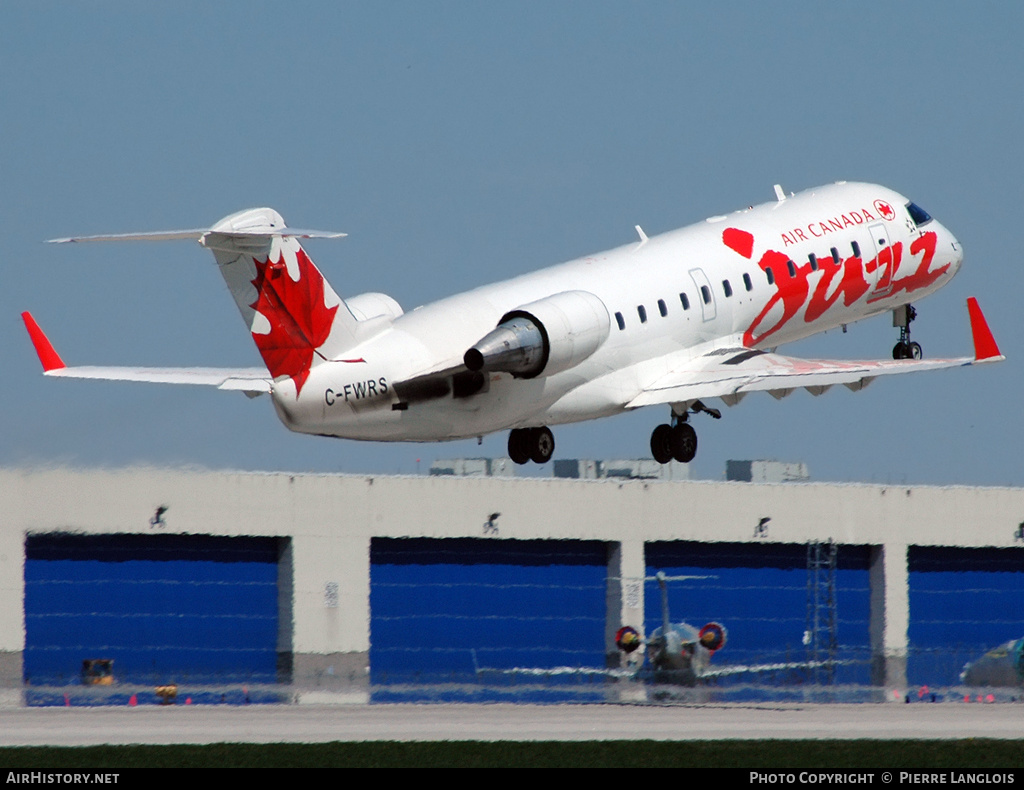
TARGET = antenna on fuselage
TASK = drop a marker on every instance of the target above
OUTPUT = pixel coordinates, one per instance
(780, 195)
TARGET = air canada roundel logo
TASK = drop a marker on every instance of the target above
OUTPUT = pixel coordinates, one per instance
(885, 209)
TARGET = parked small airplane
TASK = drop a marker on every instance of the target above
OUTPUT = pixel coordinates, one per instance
(675, 653)
(1000, 666)
(681, 654)
(672, 320)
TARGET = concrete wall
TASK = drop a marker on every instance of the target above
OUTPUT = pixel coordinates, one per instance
(331, 520)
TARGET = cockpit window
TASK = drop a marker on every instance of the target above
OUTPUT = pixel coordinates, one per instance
(918, 214)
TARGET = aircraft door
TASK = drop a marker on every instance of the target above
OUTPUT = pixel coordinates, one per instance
(883, 274)
(705, 294)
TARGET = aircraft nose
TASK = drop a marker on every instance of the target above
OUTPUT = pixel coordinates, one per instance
(958, 251)
(949, 247)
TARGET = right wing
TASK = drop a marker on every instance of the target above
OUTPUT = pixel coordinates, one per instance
(251, 381)
(730, 373)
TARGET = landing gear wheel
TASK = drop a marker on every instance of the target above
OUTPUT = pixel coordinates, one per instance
(907, 351)
(661, 443)
(542, 445)
(518, 446)
(684, 442)
(531, 444)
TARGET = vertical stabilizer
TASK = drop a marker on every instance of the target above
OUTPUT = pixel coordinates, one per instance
(296, 318)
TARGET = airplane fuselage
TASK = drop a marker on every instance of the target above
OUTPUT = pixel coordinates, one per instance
(755, 279)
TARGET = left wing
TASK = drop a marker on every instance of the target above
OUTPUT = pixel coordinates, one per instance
(556, 671)
(251, 381)
(730, 373)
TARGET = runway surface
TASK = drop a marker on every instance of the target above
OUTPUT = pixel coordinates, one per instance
(323, 723)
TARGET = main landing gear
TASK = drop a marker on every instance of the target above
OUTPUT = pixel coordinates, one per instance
(678, 441)
(531, 444)
(902, 317)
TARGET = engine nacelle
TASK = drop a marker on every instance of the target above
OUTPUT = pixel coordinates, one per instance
(712, 636)
(374, 305)
(543, 337)
(627, 639)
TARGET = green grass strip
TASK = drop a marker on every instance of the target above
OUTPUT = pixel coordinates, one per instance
(932, 755)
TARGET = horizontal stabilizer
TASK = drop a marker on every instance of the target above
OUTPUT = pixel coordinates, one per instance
(256, 223)
(197, 234)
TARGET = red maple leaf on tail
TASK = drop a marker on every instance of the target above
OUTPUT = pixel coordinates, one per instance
(299, 321)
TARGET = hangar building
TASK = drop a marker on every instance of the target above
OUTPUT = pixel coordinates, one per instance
(355, 585)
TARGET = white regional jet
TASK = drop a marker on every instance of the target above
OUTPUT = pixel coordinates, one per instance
(672, 320)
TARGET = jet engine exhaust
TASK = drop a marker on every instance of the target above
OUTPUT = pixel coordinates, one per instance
(516, 346)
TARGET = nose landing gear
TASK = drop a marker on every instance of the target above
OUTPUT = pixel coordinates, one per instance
(905, 349)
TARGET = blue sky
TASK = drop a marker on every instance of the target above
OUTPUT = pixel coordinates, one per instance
(460, 143)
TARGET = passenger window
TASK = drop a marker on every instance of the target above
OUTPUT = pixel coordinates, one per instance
(792, 268)
(814, 262)
(705, 293)
(835, 256)
(620, 321)
(684, 300)
(747, 283)
(726, 288)
(770, 275)
(856, 249)
(642, 312)
(662, 308)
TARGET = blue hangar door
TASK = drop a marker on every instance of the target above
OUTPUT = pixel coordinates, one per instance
(963, 602)
(456, 609)
(759, 592)
(181, 608)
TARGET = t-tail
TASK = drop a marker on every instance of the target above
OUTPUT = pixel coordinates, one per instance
(295, 317)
